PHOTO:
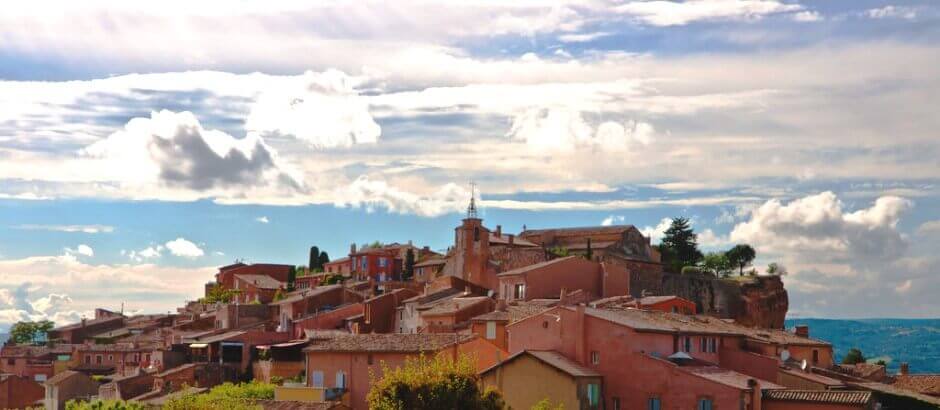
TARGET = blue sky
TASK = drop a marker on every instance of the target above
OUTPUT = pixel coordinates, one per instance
(141, 147)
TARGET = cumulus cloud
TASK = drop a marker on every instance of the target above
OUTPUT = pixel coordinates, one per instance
(559, 129)
(371, 193)
(322, 109)
(82, 249)
(891, 12)
(807, 16)
(929, 228)
(68, 228)
(150, 252)
(656, 233)
(673, 13)
(184, 248)
(613, 219)
(817, 227)
(174, 149)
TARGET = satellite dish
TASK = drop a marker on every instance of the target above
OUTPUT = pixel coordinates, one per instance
(785, 355)
(803, 365)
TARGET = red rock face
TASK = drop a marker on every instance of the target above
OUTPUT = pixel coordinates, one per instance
(765, 303)
(758, 302)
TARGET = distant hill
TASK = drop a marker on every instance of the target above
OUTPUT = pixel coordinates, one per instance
(916, 341)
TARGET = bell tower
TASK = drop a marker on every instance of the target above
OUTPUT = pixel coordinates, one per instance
(472, 241)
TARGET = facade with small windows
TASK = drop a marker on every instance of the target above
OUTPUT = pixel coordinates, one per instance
(560, 380)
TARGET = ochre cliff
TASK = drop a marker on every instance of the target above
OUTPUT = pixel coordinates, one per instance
(760, 301)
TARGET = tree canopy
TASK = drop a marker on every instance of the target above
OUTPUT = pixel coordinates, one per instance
(30, 332)
(436, 383)
(219, 294)
(717, 264)
(679, 246)
(740, 256)
(854, 356)
(314, 258)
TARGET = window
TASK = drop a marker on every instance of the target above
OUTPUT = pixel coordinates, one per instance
(98, 359)
(815, 356)
(594, 394)
(110, 358)
(87, 359)
(39, 378)
(703, 344)
(476, 234)
(654, 403)
(369, 359)
(615, 403)
(713, 344)
(520, 291)
(490, 330)
(11, 362)
(595, 357)
(383, 262)
(675, 309)
(340, 380)
(704, 404)
(687, 344)
(317, 379)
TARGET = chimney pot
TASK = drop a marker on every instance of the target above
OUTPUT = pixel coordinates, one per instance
(499, 231)
(511, 239)
(802, 330)
(904, 369)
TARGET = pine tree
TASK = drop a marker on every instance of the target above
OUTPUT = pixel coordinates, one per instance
(680, 245)
(314, 258)
(322, 260)
(409, 270)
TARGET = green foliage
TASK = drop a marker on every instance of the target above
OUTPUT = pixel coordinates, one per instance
(691, 270)
(881, 362)
(409, 269)
(854, 356)
(291, 278)
(559, 251)
(717, 263)
(438, 383)
(219, 294)
(323, 259)
(776, 269)
(333, 279)
(227, 396)
(740, 256)
(679, 246)
(103, 405)
(314, 258)
(277, 380)
(30, 332)
(279, 295)
(546, 404)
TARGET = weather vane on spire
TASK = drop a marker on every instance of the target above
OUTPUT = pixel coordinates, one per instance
(472, 209)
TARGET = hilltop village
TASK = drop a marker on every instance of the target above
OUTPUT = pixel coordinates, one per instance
(602, 325)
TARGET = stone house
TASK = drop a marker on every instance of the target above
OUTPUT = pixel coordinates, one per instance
(561, 380)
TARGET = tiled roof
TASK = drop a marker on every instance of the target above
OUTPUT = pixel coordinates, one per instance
(820, 396)
(813, 377)
(62, 376)
(335, 261)
(389, 342)
(455, 305)
(88, 323)
(580, 230)
(727, 377)
(35, 351)
(431, 262)
(921, 383)
(895, 391)
(114, 348)
(436, 296)
(560, 362)
(504, 240)
(513, 313)
(261, 281)
(863, 370)
(539, 265)
(299, 295)
(652, 300)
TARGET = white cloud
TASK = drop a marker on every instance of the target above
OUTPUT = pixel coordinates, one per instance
(81, 249)
(323, 109)
(656, 233)
(582, 37)
(673, 13)
(68, 228)
(150, 252)
(929, 228)
(262, 219)
(904, 287)
(817, 228)
(613, 219)
(558, 129)
(807, 16)
(184, 248)
(891, 12)
(372, 193)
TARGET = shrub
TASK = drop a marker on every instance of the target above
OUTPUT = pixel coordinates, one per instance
(226, 396)
(425, 384)
(102, 405)
(691, 270)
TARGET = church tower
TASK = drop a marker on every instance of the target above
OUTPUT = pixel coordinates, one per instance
(472, 241)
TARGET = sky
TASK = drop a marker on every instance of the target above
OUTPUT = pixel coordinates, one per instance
(142, 146)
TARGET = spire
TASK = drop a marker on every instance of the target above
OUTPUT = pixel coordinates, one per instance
(472, 209)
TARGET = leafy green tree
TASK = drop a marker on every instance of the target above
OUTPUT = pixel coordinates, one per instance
(680, 245)
(314, 258)
(740, 256)
(716, 263)
(425, 384)
(333, 279)
(30, 332)
(559, 251)
(409, 269)
(226, 396)
(103, 405)
(854, 356)
(776, 269)
(279, 295)
(219, 294)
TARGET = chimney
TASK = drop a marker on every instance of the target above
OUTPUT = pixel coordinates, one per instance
(756, 394)
(905, 369)
(802, 330)
(352, 248)
(580, 342)
(562, 296)
(83, 322)
(511, 239)
(499, 231)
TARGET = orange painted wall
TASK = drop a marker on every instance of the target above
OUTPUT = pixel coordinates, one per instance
(502, 336)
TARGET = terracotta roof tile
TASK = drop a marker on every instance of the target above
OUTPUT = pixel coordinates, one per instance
(560, 362)
(389, 342)
(455, 305)
(921, 383)
(529, 268)
(261, 281)
(820, 396)
(727, 377)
